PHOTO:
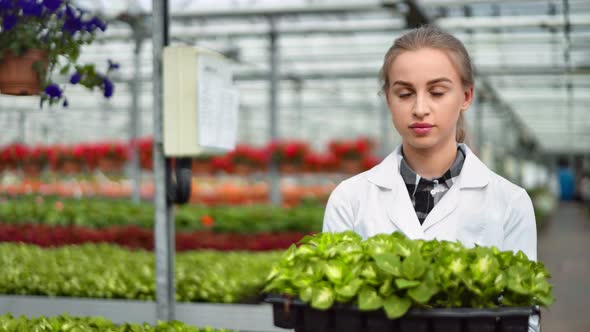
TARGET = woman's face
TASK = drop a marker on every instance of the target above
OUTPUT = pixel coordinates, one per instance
(426, 97)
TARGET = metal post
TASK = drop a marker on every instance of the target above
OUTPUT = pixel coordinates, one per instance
(299, 106)
(163, 229)
(275, 190)
(22, 120)
(134, 121)
(568, 78)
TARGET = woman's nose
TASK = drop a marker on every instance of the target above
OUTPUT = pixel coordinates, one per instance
(421, 107)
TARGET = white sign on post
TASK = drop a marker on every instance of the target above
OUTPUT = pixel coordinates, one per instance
(200, 103)
(217, 104)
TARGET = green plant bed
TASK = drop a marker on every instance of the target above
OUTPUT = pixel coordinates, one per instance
(104, 213)
(63, 323)
(106, 271)
(394, 273)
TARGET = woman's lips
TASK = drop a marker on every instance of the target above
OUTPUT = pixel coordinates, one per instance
(421, 128)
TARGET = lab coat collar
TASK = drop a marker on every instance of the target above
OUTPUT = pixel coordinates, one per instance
(474, 174)
(398, 205)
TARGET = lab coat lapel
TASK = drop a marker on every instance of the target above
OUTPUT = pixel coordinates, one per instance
(401, 211)
(473, 175)
(446, 205)
(395, 198)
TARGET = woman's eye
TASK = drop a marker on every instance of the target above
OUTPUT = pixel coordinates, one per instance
(404, 95)
(437, 94)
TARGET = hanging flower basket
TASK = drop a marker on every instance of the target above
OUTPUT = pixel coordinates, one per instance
(40, 39)
(18, 74)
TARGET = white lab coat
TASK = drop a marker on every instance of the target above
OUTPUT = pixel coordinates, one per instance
(480, 208)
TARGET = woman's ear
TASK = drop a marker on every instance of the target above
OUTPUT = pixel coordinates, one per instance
(468, 98)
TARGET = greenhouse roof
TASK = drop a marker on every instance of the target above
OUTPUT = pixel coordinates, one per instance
(532, 60)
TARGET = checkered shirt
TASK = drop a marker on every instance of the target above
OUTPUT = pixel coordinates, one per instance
(426, 193)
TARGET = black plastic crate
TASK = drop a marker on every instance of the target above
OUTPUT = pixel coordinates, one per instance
(295, 314)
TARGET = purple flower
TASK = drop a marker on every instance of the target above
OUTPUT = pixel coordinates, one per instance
(113, 65)
(72, 22)
(52, 5)
(75, 79)
(72, 25)
(6, 4)
(70, 12)
(9, 22)
(31, 8)
(53, 91)
(108, 87)
(94, 23)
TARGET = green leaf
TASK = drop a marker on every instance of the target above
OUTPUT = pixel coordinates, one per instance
(457, 265)
(386, 288)
(389, 263)
(369, 299)
(403, 247)
(369, 271)
(395, 307)
(306, 294)
(404, 283)
(545, 300)
(322, 298)
(350, 289)
(423, 292)
(413, 267)
(334, 271)
(65, 69)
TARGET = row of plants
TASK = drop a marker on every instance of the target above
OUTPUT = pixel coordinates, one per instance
(104, 213)
(134, 237)
(211, 191)
(68, 159)
(65, 322)
(110, 272)
(350, 156)
(394, 273)
(386, 271)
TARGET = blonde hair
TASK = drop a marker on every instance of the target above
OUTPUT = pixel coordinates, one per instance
(431, 37)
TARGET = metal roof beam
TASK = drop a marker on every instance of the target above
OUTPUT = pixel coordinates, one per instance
(285, 10)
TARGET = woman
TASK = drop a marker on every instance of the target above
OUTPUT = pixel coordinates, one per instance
(433, 185)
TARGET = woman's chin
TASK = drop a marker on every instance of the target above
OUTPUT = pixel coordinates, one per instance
(421, 143)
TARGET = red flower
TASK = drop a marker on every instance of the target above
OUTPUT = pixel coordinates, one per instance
(13, 154)
(354, 149)
(59, 206)
(221, 163)
(370, 162)
(207, 221)
(245, 154)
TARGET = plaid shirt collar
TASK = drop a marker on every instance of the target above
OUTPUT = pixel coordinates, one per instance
(426, 193)
(411, 177)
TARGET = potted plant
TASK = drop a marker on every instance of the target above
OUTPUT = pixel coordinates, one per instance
(351, 153)
(339, 282)
(246, 159)
(67, 159)
(34, 161)
(11, 156)
(111, 156)
(289, 155)
(145, 151)
(39, 39)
